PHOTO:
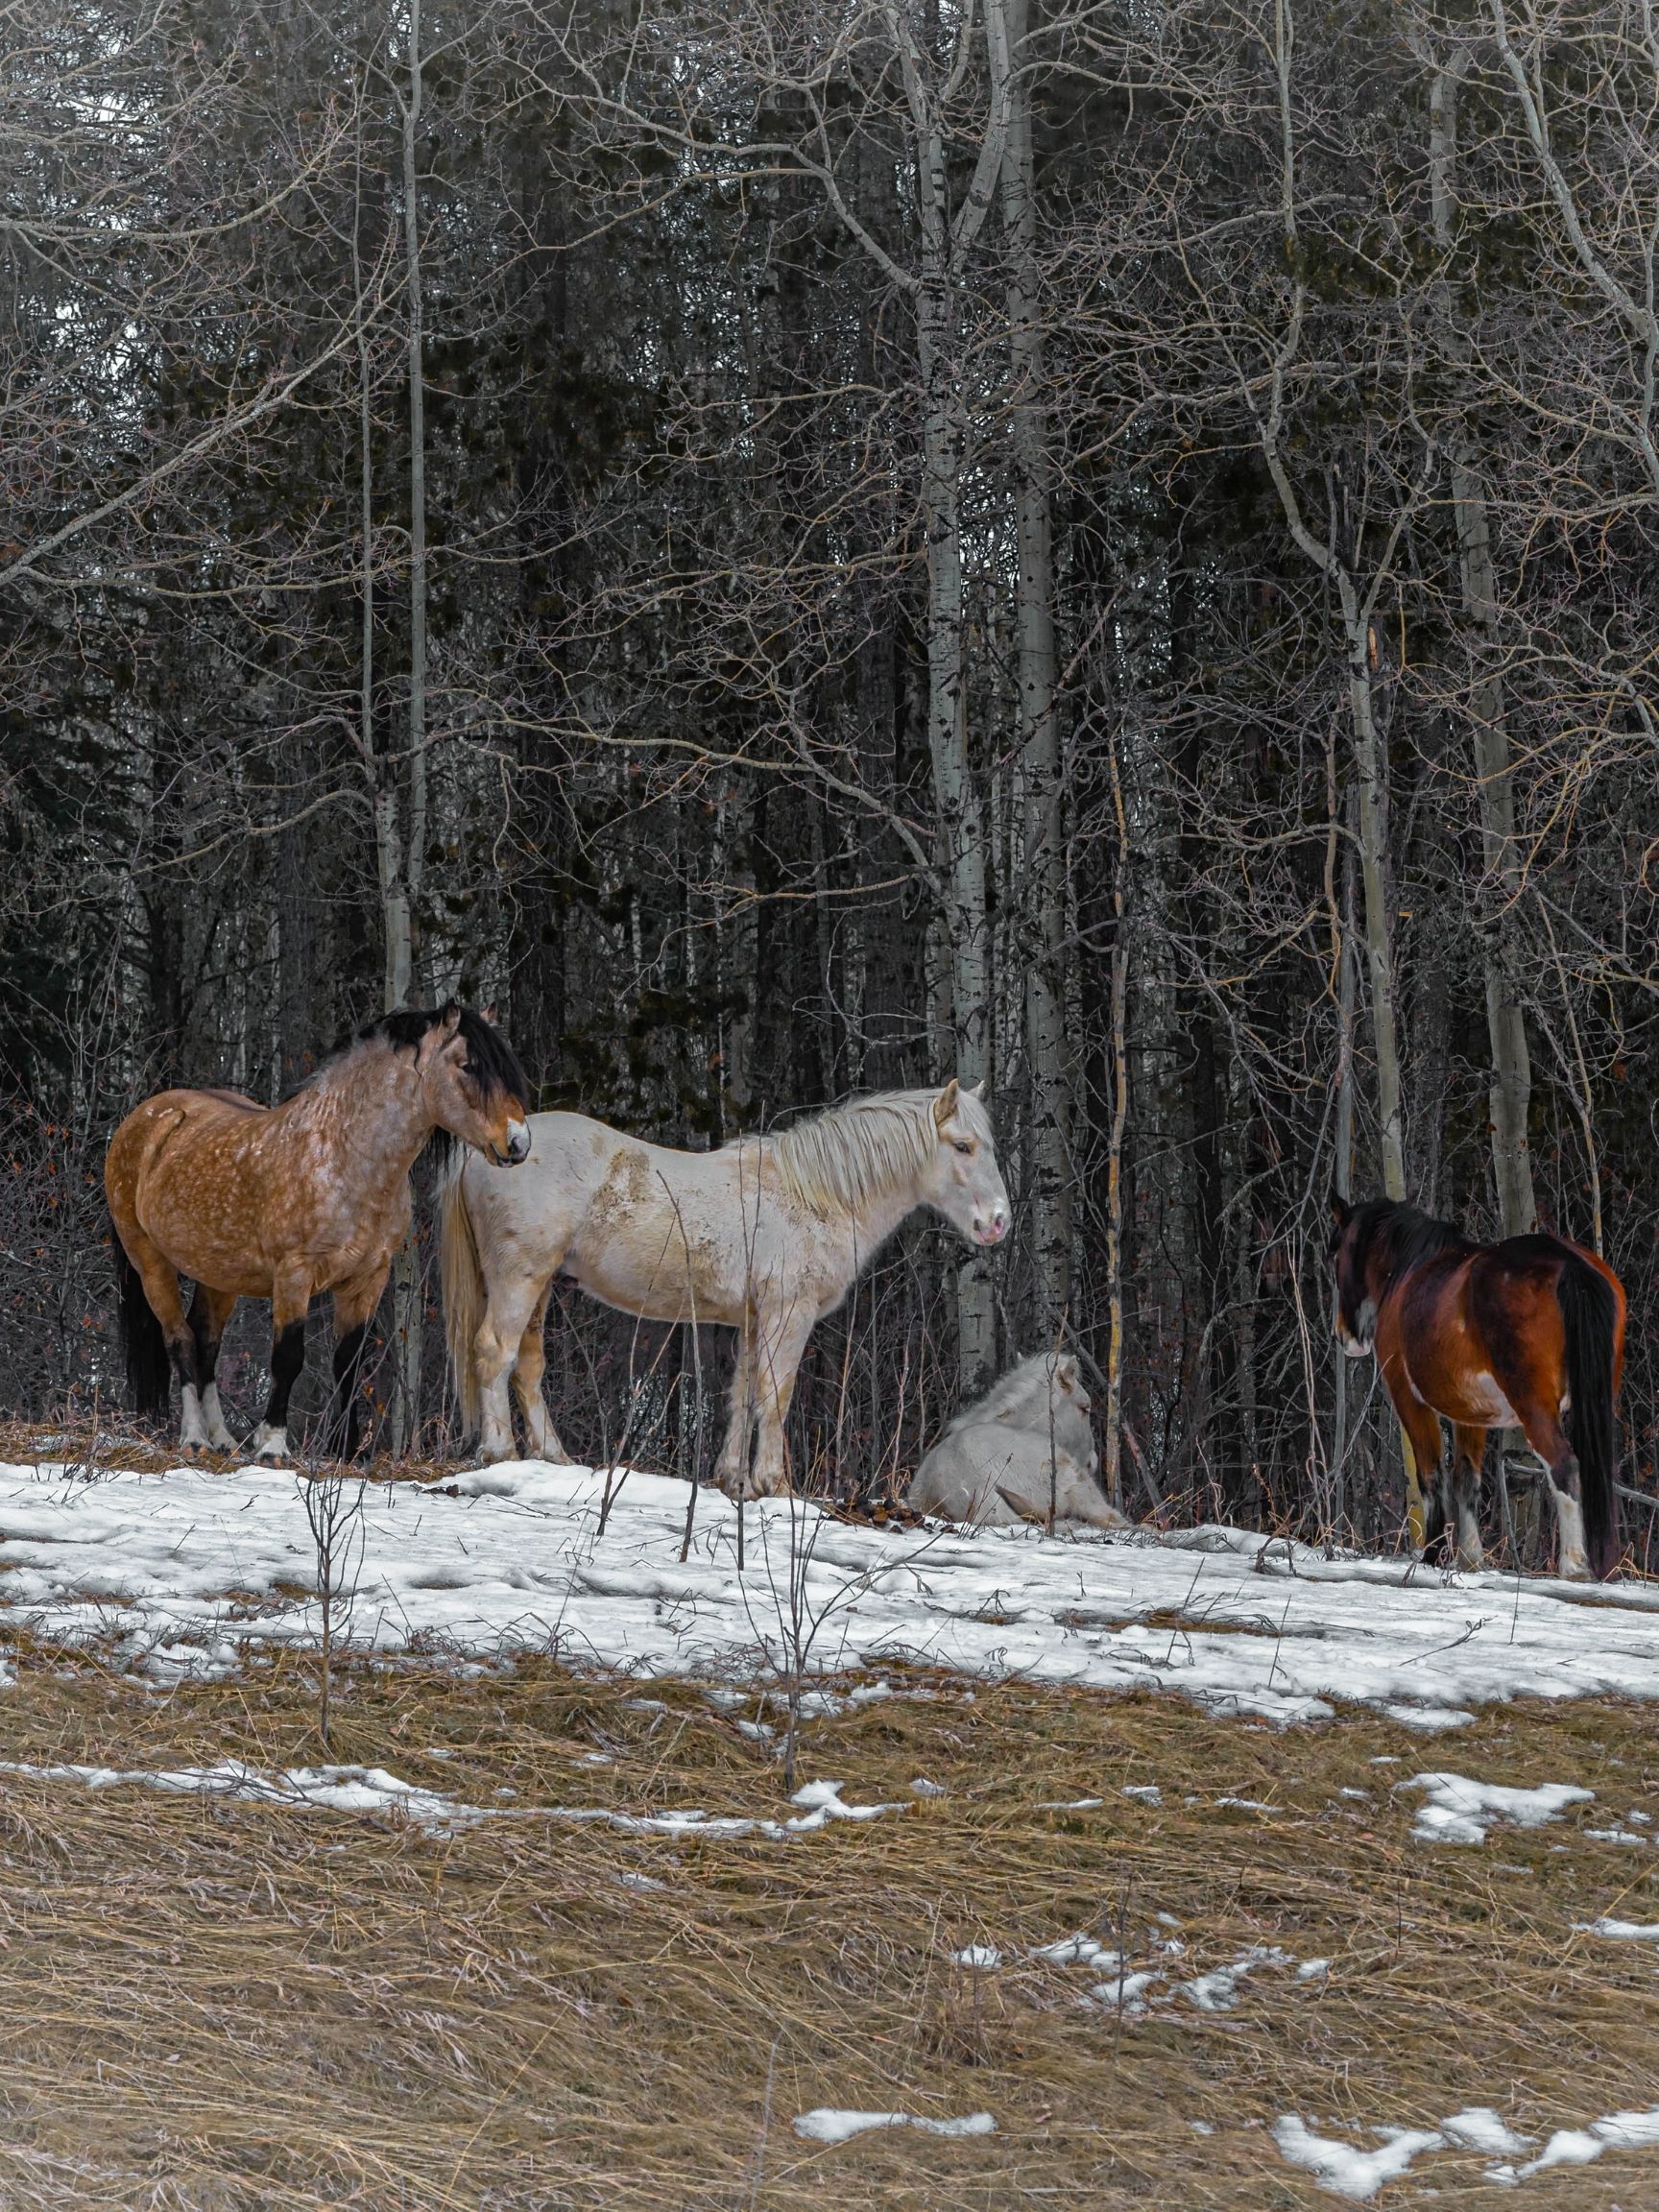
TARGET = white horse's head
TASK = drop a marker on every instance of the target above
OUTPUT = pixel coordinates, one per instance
(962, 1179)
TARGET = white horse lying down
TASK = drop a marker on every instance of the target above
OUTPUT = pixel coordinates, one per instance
(765, 1236)
(1026, 1448)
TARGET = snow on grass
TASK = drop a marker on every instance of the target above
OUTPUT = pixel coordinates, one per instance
(179, 1574)
(827, 2123)
(1078, 1950)
(983, 1957)
(1217, 1991)
(1480, 2128)
(1583, 2145)
(820, 1803)
(1348, 2172)
(371, 1790)
(1345, 2170)
(1620, 1930)
(327, 1788)
(1456, 1810)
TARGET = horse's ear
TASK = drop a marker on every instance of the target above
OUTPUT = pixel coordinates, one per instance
(1066, 1370)
(945, 1105)
(1341, 1212)
(450, 1018)
(978, 1090)
(488, 1014)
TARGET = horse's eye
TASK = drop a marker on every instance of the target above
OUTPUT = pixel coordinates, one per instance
(965, 1149)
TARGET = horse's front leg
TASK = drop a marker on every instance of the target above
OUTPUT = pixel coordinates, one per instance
(289, 1301)
(1468, 1451)
(355, 1305)
(732, 1467)
(777, 1363)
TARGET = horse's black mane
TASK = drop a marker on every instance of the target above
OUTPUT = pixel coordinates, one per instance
(491, 1061)
(1403, 1236)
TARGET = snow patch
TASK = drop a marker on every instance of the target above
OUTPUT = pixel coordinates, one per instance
(327, 1788)
(827, 2123)
(1345, 2170)
(192, 1571)
(1457, 1810)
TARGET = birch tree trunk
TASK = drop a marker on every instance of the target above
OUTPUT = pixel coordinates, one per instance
(1044, 857)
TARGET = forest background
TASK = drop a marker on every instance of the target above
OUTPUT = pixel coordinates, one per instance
(803, 548)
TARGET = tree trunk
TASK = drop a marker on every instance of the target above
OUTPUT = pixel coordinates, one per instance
(1044, 858)
(1506, 1027)
(956, 798)
(408, 1288)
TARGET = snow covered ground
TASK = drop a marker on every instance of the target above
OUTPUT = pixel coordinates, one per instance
(181, 1569)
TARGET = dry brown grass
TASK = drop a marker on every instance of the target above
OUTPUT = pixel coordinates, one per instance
(215, 2005)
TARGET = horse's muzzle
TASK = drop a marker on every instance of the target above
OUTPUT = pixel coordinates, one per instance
(993, 1231)
(517, 1143)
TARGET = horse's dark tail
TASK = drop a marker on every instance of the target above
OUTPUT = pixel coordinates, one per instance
(1590, 1314)
(149, 1371)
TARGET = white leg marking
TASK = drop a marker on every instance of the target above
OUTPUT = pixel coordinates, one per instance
(193, 1429)
(213, 1414)
(1570, 1537)
(268, 1443)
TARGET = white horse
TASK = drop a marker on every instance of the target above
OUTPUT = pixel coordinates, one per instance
(764, 1235)
(1023, 1451)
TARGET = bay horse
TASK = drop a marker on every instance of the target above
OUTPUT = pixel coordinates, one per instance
(1528, 1333)
(764, 1235)
(286, 1202)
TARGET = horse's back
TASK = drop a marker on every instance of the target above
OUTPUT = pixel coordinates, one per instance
(173, 1121)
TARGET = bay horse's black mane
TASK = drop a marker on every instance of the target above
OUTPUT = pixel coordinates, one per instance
(1402, 1235)
(491, 1061)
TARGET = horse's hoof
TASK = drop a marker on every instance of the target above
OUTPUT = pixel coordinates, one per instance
(269, 1443)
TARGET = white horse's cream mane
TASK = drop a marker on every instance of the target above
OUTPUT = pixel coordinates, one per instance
(861, 1150)
(1019, 1398)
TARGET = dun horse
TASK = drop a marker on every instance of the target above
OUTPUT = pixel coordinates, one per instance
(764, 1235)
(1490, 1335)
(1024, 1452)
(285, 1202)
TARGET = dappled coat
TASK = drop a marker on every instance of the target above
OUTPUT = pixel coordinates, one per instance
(1024, 1452)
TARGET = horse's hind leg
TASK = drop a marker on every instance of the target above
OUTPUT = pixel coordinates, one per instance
(210, 1311)
(1548, 1439)
(1468, 1451)
(495, 1348)
(1422, 1427)
(531, 1366)
(161, 1279)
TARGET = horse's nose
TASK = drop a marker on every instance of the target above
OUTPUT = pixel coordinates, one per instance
(517, 1142)
(991, 1228)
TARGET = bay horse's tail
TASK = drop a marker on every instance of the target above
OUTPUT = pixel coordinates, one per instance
(464, 1296)
(149, 1370)
(1590, 1314)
